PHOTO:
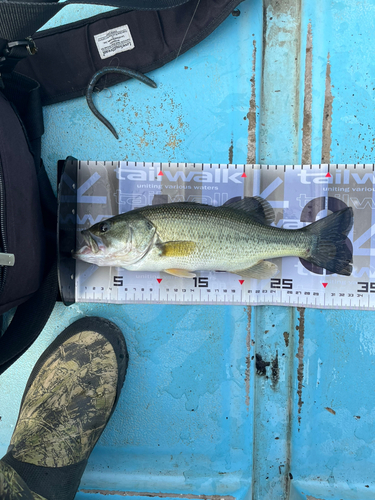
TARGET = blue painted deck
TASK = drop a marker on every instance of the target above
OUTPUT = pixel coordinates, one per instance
(284, 82)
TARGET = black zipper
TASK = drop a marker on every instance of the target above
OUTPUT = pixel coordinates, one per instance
(3, 238)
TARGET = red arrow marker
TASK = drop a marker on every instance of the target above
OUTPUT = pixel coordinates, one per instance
(244, 175)
(160, 173)
(159, 280)
(324, 284)
(328, 175)
(241, 281)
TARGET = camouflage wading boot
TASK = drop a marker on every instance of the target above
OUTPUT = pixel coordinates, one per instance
(69, 399)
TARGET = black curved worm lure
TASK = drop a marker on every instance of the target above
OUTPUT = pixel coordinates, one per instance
(104, 71)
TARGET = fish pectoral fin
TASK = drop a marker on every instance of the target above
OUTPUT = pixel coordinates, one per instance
(181, 273)
(177, 248)
(260, 271)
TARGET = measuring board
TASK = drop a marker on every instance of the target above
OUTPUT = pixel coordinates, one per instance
(298, 194)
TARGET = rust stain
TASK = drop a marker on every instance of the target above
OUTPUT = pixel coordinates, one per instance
(330, 410)
(158, 495)
(309, 497)
(289, 338)
(300, 353)
(230, 153)
(296, 8)
(248, 349)
(286, 338)
(327, 116)
(251, 115)
(307, 103)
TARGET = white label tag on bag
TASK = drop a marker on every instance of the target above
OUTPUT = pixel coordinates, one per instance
(114, 41)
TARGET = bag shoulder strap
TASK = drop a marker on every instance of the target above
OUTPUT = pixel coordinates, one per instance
(154, 39)
(20, 20)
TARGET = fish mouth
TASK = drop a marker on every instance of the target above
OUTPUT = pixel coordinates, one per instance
(90, 241)
(92, 244)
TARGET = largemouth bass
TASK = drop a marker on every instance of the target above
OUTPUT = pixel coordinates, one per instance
(180, 238)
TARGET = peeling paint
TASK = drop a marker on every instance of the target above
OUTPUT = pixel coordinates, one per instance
(367, 341)
(261, 368)
(327, 116)
(275, 370)
(309, 497)
(261, 365)
(330, 410)
(300, 353)
(230, 152)
(248, 350)
(319, 372)
(307, 103)
(286, 338)
(157, 494)
(251, 115)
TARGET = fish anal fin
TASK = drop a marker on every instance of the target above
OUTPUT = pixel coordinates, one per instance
(180, 273)
(177, 248)
(261, 271)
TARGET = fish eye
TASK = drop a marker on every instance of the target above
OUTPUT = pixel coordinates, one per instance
(103, 227)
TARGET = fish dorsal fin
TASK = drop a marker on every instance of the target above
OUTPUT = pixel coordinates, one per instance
(177, 248)
(256, 207)
(181, 273)
(261, 271)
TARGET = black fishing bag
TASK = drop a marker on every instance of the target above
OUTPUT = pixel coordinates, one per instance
(45, 67)
(27, 220)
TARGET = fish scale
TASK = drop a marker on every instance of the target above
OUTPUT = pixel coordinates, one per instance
(227, 239)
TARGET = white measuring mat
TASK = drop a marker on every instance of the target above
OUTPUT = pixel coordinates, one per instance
(298, 194)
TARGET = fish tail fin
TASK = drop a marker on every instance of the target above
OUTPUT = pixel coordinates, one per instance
(329, 249)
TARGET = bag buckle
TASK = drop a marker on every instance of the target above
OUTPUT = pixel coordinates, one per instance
(12, 49)
(14, 52)
(7, 259)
